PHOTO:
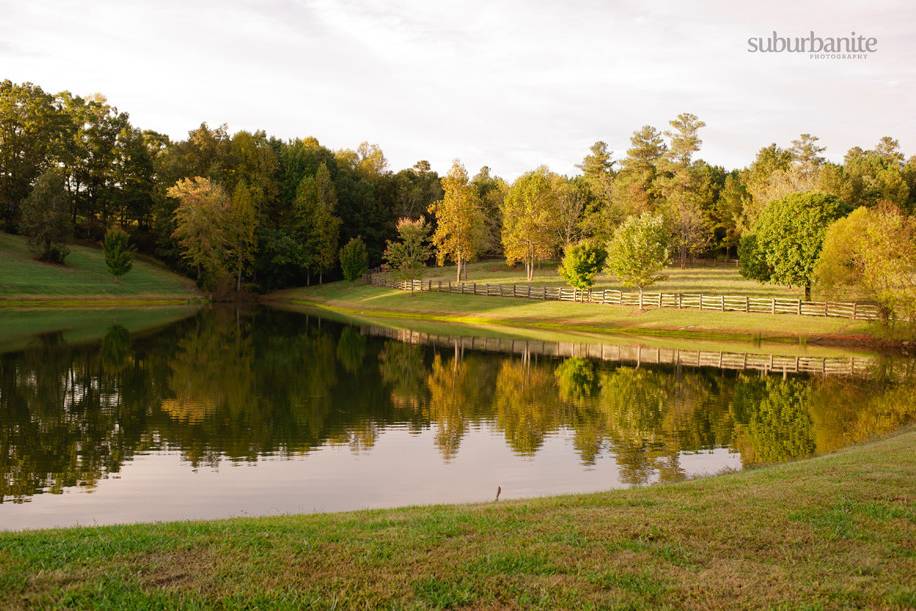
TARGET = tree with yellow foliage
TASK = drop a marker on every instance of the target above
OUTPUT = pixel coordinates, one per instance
(530, 219)
(200, 225)
(460, 228)
(871, 254)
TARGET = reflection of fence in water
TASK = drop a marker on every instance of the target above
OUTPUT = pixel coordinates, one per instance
(719, 303)
(638, 354)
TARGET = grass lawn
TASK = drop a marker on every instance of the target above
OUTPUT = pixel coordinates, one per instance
(23, 279)
(361, 299)
(834, 531)
(570, 334)
(723, 280)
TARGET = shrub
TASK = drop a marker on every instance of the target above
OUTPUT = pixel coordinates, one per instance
(581, 263)
(118, 254)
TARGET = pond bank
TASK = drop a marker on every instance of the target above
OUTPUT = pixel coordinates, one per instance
(361, 299)
(832, 531)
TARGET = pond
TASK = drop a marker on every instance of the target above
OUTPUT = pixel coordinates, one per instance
(229, 413)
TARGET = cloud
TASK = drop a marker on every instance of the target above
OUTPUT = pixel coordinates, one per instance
(510, 84)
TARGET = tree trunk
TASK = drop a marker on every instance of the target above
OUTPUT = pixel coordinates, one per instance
(807, 292)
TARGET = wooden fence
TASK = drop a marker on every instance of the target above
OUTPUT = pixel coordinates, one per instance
(639, 354)
(720, 303)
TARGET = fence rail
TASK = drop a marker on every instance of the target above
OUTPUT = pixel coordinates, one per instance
(696, 301)
(639, 354)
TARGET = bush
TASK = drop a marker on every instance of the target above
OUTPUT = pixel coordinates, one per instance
(581, 263)
(354, 259)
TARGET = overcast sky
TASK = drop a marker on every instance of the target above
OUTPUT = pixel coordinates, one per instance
(509, 84)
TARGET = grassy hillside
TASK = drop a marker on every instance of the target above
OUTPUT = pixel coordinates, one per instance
(831, 532)
(23, 279)
(361, 299)
(724, 280)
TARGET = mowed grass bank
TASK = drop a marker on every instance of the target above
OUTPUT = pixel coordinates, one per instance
(569, 335)
(361, 299)
(711, 280)
(82, 278)
(834, 531)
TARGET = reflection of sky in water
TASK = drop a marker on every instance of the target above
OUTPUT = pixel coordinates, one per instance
(402, 468)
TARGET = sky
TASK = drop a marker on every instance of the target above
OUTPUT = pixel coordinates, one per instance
(511, 85)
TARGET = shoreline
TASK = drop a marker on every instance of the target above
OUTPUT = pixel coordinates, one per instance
(597, 319)
(700, 542)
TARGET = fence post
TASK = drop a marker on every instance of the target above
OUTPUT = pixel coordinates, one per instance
(799, 306)
(722, 302)
(679, 296)
(545, 293)
(773, 304)
(474, 288)
(747, 307)
(854, 307)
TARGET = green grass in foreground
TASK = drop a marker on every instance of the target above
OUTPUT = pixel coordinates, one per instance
(358, 298)
(834, 531)
(23, 279)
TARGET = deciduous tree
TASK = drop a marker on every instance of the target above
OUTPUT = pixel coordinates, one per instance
(640, 251)
(354, 259)
(460, 228)
(46, 217)
(787, 239)
(200, 226)
(871, 254)
(530, 219)
(409, 253)
(241, 227)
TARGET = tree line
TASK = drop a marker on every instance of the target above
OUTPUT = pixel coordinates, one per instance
(251, 209)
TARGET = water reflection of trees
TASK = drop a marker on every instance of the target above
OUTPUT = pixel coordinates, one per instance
(229, 386)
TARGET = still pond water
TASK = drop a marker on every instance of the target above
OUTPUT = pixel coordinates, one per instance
(266, 412)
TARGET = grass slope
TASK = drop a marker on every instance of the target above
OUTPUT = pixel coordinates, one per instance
(724, 280)
(358, 298)
(568, 334)
(25, 280)
(834, 531)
